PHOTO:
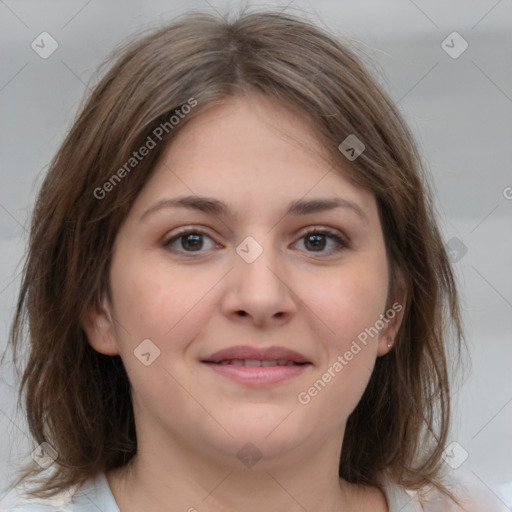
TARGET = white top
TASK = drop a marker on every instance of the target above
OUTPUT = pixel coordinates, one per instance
(95, 495)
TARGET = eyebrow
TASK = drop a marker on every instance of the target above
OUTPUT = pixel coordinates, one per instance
(220, 209)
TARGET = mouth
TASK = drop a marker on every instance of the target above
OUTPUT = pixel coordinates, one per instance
(253, 363)
(257, 367)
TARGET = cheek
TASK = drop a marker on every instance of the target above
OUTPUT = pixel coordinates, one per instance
(349, 302)
(349, 307)
(144, 303)
(157, 302)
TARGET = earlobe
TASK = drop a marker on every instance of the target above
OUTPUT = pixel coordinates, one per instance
(385, 345)
(392, 320)
(98, 325)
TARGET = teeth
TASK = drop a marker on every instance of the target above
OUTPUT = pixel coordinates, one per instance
(250, 363)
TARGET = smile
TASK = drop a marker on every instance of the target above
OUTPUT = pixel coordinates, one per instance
(257, 367)
(258, 373)
(252, 363)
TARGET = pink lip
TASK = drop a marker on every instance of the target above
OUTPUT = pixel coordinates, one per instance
(257, 375)
(260, 375)
(261, 354)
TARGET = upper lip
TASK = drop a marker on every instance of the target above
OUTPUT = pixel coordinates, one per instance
(246, 352)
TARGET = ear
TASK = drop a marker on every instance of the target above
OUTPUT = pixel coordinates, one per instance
(392, 319)
(98, 324)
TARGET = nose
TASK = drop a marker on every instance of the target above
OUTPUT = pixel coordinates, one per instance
(259, 292)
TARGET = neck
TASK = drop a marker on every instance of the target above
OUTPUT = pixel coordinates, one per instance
(178, 480)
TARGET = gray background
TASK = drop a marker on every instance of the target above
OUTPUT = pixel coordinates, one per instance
(459, 108)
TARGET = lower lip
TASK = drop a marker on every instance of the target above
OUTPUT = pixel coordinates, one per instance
(258, 375)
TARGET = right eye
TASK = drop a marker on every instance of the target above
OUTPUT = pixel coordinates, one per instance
(188, 241)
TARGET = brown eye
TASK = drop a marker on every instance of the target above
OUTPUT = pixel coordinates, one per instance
(189, 241)
(192, 241)
(317, 240)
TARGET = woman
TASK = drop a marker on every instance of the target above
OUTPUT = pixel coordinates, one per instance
(237, 293)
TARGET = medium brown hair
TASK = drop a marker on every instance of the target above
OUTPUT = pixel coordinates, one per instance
(77, 399)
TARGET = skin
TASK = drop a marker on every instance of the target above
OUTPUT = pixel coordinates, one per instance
(256, 156)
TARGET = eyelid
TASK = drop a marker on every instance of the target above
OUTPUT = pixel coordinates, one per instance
(323, 230)
(184, 230)
(340, 238)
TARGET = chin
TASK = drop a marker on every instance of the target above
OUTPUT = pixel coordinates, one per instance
(269, 439)
(261, 453)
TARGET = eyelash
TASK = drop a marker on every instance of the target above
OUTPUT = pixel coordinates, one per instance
(322, 231)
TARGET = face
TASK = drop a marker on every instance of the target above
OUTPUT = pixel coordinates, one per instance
(261, 306)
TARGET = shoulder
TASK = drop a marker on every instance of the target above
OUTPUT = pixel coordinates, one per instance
(470, 498)
(23, 504)
(18, 501)
(92, 496)
(32, 507)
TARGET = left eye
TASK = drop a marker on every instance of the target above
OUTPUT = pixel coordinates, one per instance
(318, 239)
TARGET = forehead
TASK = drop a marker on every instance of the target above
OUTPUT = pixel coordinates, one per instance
(250, 151)
(245, 127)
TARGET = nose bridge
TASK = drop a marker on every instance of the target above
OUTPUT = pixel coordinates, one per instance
(257, 283)
(256, 265)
